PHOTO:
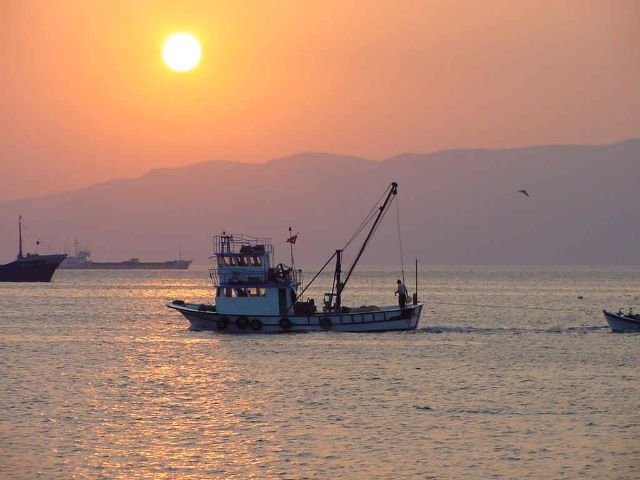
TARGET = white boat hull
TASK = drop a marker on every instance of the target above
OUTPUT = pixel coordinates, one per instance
(383, 320)
(621, 323)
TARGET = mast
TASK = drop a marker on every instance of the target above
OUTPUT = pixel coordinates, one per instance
(393, 191)
(415, 294)
(336, 278)
(20, 237)
(290, 242)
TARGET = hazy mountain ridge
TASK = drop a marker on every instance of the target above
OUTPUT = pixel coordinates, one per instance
(456, 206)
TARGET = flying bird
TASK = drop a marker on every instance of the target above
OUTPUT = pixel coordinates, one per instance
(524, 192)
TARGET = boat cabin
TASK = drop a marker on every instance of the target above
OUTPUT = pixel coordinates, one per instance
(246, 279)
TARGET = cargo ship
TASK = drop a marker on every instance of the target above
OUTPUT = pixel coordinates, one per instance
(81, 260)
(31, 267)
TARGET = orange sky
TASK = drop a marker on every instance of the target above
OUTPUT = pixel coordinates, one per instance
(85, 96)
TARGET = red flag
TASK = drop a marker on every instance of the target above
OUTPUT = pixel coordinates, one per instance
(292, 239)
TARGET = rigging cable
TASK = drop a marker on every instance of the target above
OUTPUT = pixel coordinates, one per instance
(370, 216)
(399, 237)
(315, 276)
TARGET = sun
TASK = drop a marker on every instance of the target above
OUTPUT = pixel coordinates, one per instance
(181, 52)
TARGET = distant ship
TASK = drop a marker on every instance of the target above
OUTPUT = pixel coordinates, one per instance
(30, 267)
(81, 260)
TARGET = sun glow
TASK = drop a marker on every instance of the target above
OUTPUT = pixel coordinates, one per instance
(181, 52)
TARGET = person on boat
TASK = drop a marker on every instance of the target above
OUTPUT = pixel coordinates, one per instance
(402, 294)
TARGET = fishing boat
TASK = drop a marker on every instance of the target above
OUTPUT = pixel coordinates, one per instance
(31, 267)
(254, 294)
(619, 322)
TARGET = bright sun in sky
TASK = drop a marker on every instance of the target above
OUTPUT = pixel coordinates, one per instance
(181, 52)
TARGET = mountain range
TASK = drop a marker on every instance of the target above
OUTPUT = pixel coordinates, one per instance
(454, 206)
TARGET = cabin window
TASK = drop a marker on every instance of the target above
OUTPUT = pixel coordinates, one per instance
(218, 290)
(255, 261)
(243, 261)
(240, 292)
(226, 260)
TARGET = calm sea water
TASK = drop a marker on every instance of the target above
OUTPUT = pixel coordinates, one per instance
(510, 375)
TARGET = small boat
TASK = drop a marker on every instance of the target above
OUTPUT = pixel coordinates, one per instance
(81, 260)
(254, 294)
(31, 267)
(619, 322)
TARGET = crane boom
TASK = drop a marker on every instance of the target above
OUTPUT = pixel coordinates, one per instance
(393, 191)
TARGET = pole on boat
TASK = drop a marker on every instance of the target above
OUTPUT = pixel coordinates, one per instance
(337, 282)
(20, 236)
(393, 191)
(415, 294)
(291, 241)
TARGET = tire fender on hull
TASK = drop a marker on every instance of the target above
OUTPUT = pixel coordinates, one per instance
(242, 323)
(255, 324)
(285, 324)
(222, 323)
(326, 323)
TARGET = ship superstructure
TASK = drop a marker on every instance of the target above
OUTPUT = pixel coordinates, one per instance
(246, 279)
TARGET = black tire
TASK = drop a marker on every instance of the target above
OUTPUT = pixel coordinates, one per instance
(202, 307)
(285, 324)
(326, 323)
(255, 324)
(178, 302)
(222, 323)
(242, 323)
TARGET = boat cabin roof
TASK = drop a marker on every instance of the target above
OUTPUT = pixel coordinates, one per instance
(240, 244)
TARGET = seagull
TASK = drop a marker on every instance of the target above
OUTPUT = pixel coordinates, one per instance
(524, 192)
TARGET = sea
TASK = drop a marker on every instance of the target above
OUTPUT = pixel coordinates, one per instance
(512, 373)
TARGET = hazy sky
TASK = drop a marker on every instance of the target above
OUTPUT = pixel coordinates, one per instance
(85, 95)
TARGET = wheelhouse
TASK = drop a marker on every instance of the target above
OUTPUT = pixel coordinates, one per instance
(246, 279)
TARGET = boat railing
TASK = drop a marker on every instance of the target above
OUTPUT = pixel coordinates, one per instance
(226, 276)
(296, 276)
(236, 243)
(213, 275)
